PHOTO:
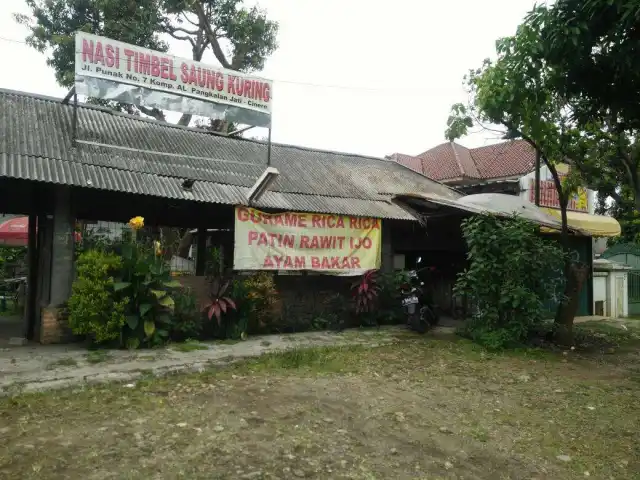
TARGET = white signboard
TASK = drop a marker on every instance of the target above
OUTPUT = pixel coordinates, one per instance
(118, 71)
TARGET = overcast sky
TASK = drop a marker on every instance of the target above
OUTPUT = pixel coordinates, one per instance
(349, 75)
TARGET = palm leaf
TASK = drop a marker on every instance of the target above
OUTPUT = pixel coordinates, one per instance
(230, 302)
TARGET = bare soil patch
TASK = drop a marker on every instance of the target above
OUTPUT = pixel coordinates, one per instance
(422, 408)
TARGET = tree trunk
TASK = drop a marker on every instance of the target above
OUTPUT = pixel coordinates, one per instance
(575, 278)
(185, 245)
(185, 119)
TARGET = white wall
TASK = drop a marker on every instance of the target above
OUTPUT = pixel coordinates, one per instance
(600, 286)
(611, 288)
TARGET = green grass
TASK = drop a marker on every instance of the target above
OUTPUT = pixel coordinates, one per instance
(606, 335)
(98, 356)
(189, 346)
(306, 360)
(337, 412)
(63, 362)
(229, 341)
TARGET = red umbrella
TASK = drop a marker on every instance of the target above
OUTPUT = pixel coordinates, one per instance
(15, 232)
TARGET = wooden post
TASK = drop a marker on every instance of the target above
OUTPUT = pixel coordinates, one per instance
(201, 252)
(32, 277)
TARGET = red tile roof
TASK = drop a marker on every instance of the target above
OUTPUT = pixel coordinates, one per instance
(507, 159)
(450, 161)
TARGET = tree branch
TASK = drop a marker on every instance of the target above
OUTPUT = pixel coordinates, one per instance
(630, 167)
(187, 19)
(202, 49)
(180, 37)
(238, 59)
(185, 119)
(183, 30)
(171, 30)
(152, 112)
(213, 40)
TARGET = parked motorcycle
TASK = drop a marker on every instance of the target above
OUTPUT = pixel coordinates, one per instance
(421, 315)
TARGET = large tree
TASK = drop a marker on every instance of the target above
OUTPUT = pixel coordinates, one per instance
(240, 38)
(514, 94)
(593, 47)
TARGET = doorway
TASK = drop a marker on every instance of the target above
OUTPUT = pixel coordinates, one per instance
(13, 276)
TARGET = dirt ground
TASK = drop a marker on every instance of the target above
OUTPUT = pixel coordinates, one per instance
(421, 408)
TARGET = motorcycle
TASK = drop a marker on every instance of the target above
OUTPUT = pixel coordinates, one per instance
(421, 315)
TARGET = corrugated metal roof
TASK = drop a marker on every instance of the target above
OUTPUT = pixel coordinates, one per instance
(129, 154)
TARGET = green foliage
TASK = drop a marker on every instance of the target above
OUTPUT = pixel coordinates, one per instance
(509, 279)
(517, 92)
(389, 300)
(93, 238)
(145, 279)
(334, 314)
(93, 310)
(12, 258)
(187, 317)
(53, 23)
(593, 50)
(623, 209)
(593, 47)
(260, 299)
(213, 264)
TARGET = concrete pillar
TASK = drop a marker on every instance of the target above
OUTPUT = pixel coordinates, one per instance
(62, 266)
(386, 261)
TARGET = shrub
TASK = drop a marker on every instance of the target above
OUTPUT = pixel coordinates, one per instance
(261, 297)
(93, 308)
(508, 279)
(12, 259)
(145, 279)
(390, 310)
(187, 317)
(334, 314)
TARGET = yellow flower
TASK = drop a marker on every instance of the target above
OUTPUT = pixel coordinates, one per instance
(157, 248)
(136, 223)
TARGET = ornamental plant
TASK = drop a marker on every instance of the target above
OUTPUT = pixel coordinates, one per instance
(365, 292)
(220, 303)
(145, 279)
(93, 309)
(136, 223)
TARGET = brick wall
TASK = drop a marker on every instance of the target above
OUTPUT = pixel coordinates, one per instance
(301, 298)
(54, 328)
(305, 298)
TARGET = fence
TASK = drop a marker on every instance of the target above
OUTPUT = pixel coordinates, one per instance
(179, 246)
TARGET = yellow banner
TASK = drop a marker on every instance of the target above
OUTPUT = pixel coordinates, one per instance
(306, 241)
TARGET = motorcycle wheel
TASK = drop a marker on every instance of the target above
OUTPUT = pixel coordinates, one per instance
(430, 316)
(418, 324)
(435, 317)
